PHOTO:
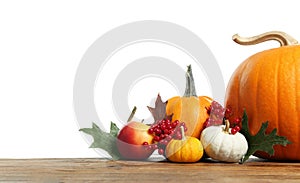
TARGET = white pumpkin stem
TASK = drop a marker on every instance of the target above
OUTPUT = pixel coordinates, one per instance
(227, 125)
(283, 38)
(182, 133)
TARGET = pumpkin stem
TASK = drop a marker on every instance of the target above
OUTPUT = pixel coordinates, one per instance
(182, 133)
(131, 114)
(227, 125)
(190, 89)
(283, 38)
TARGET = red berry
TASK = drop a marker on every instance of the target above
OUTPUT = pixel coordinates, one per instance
(168, 123)
(164, 142)
(156, 138)
(148, 147)
(169, 138)
(154, 146)
(145, 143)
(238, 128)
(163, 126)
(174, 124)
(150, 130)
(237, 120)
(228, 112)
(160, 151)
(166, 131)
(157, 131)
(185, 129)
(178, 136)
(233, 131)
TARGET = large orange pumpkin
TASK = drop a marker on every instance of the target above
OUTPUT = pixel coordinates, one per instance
(267, 86)
(190, 108)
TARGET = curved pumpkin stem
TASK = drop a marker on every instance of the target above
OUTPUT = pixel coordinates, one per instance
(283, 38)
(227, 125)
(190, 89)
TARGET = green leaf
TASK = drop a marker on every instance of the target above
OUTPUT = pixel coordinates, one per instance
(114, 130)
(260, 141)
(103, 140)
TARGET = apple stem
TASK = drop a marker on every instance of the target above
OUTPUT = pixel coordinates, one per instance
(132, 114)
(182, 133)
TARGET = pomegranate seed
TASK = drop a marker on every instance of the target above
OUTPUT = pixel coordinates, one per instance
(145, 143)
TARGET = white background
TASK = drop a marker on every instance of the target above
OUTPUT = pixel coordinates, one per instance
(42, 43)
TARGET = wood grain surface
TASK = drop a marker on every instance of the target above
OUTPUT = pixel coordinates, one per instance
(102, 170)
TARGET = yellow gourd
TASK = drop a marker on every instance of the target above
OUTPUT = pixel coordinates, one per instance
(186, 150)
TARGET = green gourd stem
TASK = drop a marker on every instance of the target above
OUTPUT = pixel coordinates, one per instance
(132, 114)
(190, 89)
(182, 133)
(227, 125)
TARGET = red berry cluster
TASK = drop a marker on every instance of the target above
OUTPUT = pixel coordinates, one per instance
(217, 114)
(164, 131)
(235, 123)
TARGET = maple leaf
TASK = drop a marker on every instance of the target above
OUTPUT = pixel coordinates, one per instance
(104, 140)
(216, 114)
(159, 111)
(261, 141)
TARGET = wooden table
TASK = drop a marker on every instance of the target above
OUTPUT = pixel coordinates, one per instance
(102, 170)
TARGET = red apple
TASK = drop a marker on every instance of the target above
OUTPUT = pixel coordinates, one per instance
(130, 141)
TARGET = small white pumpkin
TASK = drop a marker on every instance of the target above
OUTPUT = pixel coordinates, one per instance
(220, 144)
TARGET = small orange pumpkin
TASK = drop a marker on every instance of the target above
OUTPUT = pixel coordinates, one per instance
(190, 108)
(267, 85)
(186, 150)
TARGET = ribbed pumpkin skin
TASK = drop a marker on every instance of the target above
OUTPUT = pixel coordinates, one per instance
(188, 151)
(267, 85)
(191, 110)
